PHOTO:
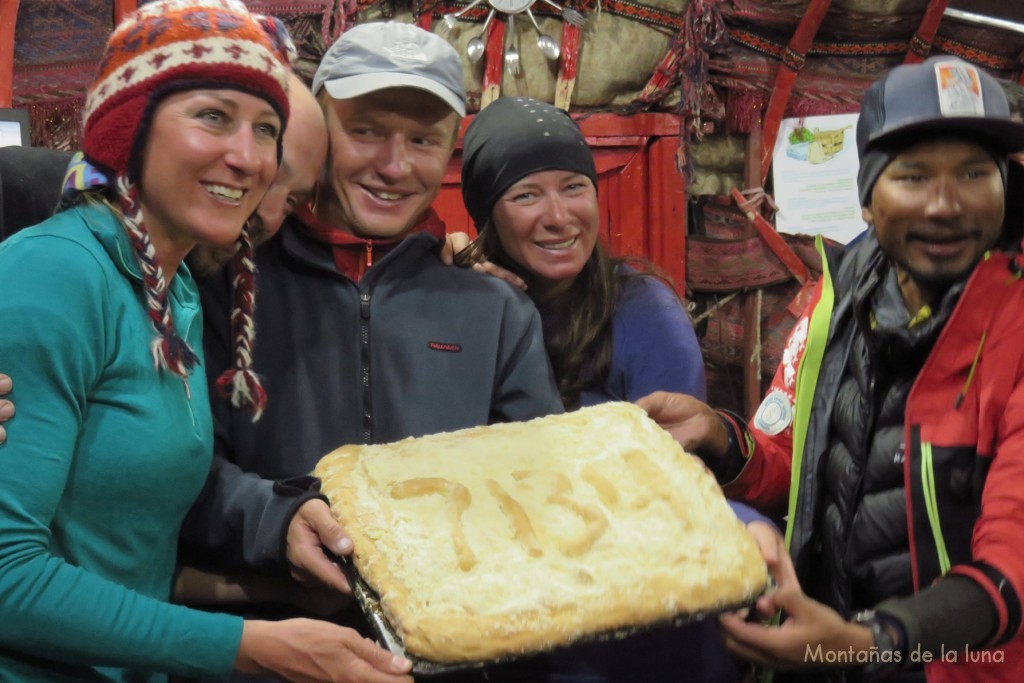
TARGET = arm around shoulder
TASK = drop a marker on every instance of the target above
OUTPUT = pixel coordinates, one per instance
(525, 384)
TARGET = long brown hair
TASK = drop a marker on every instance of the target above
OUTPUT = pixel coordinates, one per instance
(577, 321)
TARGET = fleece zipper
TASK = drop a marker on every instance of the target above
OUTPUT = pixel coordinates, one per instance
(364, 371)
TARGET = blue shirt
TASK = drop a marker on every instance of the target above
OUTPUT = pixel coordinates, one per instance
(654, 346)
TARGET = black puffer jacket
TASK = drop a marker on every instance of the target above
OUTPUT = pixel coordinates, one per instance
(864, 540)
(862, 543)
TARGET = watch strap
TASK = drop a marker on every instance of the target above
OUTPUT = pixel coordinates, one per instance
(889, 653)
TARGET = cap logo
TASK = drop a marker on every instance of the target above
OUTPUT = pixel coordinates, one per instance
(959, 89)
(407, 51)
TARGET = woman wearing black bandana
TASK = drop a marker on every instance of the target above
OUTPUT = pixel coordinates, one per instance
(613, 332)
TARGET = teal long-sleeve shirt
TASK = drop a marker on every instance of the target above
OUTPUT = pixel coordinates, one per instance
(102, 461)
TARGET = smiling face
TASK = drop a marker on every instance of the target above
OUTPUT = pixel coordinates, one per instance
(208, 160)
(937, 208)
(547, 223)
(303, 153)
(388, 153)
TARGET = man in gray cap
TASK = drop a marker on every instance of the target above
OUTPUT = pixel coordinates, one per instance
(365, 335)
(893, 434)
(393, 97)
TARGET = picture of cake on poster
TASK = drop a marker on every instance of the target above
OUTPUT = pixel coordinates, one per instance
(494, 542)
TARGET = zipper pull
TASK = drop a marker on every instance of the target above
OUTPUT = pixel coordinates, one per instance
(364, 306)
(958, 401)
(369, 253)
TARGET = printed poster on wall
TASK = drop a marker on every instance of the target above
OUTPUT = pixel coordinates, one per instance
(815, 177)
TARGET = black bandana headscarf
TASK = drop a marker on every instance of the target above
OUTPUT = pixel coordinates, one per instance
(512, 138)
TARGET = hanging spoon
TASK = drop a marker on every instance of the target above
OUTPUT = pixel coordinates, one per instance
(475, 47)
(548, 47)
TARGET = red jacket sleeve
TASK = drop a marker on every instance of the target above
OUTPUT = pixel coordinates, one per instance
(764, 481)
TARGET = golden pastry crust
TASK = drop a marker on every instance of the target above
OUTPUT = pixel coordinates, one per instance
(520, 537)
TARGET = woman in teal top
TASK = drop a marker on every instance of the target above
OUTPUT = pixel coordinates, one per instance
(182, 134)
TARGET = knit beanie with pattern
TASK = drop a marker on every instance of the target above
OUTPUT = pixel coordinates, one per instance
(169, 46)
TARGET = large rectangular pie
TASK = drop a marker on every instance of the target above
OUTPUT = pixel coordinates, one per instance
(519, 537)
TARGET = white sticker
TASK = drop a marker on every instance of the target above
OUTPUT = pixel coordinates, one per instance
(774, 414)
(959, 89)
(790, 354)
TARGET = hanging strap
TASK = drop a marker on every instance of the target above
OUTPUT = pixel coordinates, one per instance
(921, 43)
(425, 17)
(665, 75)
(569, 66)
(774, 241)
(495, 56)
(785, 77)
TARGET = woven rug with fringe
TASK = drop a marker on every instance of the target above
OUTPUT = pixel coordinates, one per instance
(724, 264)
(857, 42)
(58, 45)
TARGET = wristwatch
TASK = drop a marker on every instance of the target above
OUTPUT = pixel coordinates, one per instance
(889, 654)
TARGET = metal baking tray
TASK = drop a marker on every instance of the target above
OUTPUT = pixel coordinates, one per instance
(370, 604)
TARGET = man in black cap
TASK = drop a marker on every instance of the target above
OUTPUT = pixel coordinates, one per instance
(895, 424)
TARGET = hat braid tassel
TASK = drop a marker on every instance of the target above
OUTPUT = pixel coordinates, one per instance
(169, 350)
(240, 383)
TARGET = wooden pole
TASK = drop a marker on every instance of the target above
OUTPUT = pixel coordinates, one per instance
(123, 8)
(752, 300)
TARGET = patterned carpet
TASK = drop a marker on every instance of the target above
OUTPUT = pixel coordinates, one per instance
(58, 44)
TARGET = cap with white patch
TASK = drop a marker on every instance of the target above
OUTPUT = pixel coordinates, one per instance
(943, 96)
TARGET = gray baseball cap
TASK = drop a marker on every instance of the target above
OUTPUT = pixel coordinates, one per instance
(378, 55)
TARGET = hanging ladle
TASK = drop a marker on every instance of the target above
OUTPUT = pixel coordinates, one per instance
(475, 47)
(548, 47)
(450, 19)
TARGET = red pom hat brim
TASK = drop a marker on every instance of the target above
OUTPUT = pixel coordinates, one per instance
(167, 46)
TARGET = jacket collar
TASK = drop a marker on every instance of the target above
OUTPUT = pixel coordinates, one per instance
(321, 231)
(112, 236)
(317, 244)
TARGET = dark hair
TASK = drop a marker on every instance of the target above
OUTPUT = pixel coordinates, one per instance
(578, 321)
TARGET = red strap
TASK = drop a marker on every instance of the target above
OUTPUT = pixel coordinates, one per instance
(774, 241)
(792, 62)
(921, 43)
(568, 68)
(495, 56)
(8, 18)
(662, 79)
